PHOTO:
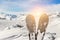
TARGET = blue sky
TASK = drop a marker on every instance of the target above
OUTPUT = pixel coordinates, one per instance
(24, 5)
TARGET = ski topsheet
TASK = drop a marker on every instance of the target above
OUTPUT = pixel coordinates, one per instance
(43, 22)
(31, 25)
(30, 22)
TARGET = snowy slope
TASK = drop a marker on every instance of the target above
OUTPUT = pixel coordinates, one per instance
(22, 33)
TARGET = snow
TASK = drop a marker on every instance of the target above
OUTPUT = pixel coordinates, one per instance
(9, 32)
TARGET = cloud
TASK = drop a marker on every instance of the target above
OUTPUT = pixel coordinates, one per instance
(19, 4)
(53, 8)
(23, 5)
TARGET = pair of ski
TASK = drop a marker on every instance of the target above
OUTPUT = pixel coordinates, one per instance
(31, 25)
